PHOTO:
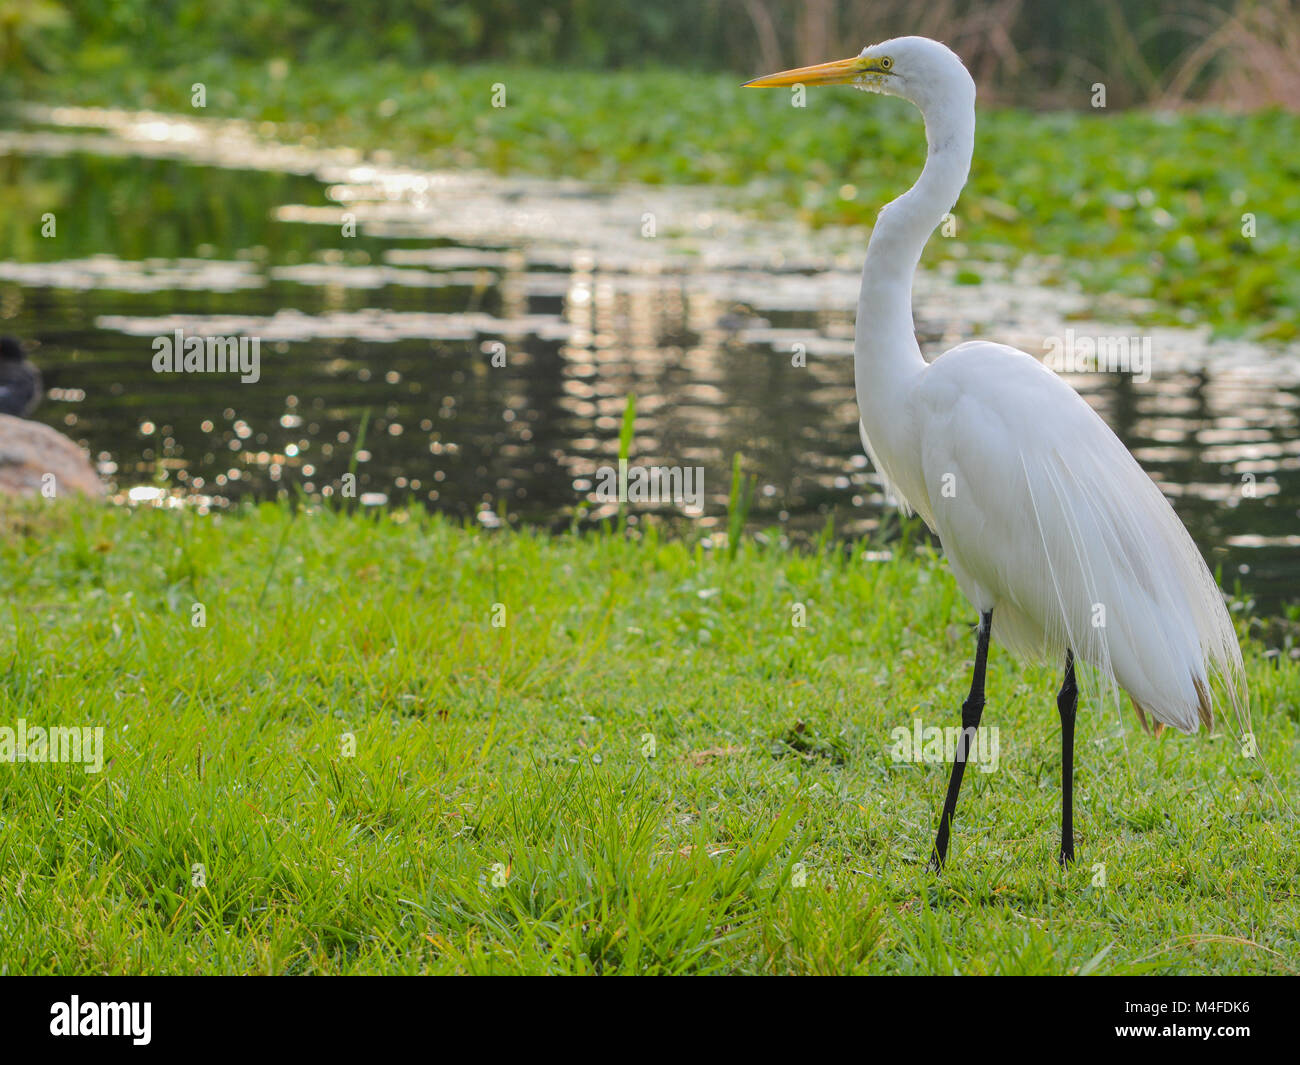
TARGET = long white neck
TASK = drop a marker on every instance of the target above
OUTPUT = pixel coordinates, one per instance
(885, 351)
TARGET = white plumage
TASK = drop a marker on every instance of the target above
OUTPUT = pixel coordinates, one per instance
(1044, 516)
(1050, 526)
(1048, 521)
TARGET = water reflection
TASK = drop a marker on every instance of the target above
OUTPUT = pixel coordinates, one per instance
(735, 336)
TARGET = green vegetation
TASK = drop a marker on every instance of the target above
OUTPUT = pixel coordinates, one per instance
(1142, 47)
(1147, 205)
(646, 755)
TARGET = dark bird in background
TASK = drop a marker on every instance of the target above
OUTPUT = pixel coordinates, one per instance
(20, 381)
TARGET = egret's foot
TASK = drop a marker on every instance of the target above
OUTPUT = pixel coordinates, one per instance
(1066, 857)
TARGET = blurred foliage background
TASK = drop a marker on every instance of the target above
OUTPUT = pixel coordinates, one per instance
(1146, 197)
(1243, 52)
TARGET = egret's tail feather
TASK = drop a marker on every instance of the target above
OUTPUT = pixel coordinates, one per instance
(1204, 710)
(1126, 589)
(1205, 706)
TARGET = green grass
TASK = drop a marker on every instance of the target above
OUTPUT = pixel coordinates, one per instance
(1146, 205)
(500, 813)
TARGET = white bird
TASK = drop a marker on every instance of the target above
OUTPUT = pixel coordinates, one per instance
(1054, 533)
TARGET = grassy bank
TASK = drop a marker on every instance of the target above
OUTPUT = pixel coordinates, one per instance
(633, 772)
(1122, 201)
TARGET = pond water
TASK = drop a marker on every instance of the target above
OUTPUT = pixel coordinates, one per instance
(488, 330)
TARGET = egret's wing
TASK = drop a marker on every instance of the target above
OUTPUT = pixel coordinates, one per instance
(1046, 516)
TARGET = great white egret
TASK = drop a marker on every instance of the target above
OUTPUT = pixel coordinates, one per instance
(1054, 533)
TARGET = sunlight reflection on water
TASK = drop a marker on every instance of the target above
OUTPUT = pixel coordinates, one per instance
(587, 296)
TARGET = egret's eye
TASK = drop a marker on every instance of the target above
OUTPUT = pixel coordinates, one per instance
(886, 63)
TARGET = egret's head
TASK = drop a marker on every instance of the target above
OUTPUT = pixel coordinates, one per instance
(915, 68)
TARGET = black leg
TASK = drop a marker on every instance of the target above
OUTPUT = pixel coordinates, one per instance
(1067, 703)
(971, 710)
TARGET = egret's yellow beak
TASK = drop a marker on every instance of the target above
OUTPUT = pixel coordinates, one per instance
(836, 73)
